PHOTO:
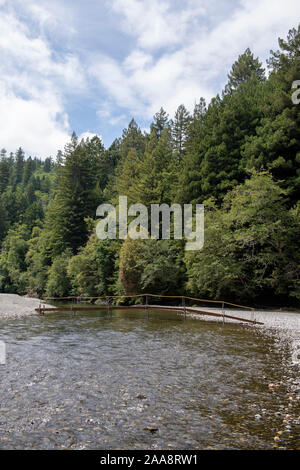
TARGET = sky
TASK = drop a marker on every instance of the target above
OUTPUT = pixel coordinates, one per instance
(90, 66)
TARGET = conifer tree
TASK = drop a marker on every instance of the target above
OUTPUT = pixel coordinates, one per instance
(180, 130)
(74, 202)
(243, 69)
(160, 122)
(276, 143)
(132, 138)
(4, 174)
(19, 166)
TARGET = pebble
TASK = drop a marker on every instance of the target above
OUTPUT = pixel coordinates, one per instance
(140, 396)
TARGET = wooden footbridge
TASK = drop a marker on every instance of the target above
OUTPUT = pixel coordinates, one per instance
(109, 303)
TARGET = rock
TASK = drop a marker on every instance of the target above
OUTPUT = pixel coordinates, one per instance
(141, 397)
(152, 430)
(258, 417)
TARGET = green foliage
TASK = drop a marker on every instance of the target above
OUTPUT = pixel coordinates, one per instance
(129, 171)
(162, 267)
(91, 270)
(180, 126)
(4, 175)
(3, 220)
(213, 164)
(151, 266)
(58, 284)
(157, 172)
(12, 261)
(251, 251)
(244, 69)
(37, 268)
(289, 51)
(275, 145)
(77, 197)
(132, 138)
(251, 246)
(160, 122)
(130, 271)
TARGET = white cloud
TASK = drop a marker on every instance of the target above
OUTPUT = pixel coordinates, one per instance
(155, 23)
(50, 16)
(32, 125)
(175, 52)
(34, 55)
(32, 84)
(88, 135)
(121, 119)
(111, 76)
(41, 14)
(106, 113)
(193, 65)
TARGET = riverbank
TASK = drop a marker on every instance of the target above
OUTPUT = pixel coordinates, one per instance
(283, 322)
(15, 306)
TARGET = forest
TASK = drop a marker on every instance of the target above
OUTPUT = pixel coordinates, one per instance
(239, 155)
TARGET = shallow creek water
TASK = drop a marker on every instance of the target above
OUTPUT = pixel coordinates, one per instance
(125, 381)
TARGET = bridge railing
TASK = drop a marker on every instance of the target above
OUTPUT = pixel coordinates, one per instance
(184, 304)
(144, 297)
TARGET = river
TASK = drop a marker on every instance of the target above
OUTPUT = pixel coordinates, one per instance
(125, 381)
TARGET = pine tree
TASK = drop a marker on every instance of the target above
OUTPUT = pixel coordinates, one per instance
(180, 126)
(48, 165)
(59, 157)
(74, 202)
(29, 167)
(214, 164)
(3, 153)
(132, 138)
(160, 122)
(289, 51)
(19, 166)
(3, 220)
(129, 176)
(4, 174)
(243, 69)
(275, 146)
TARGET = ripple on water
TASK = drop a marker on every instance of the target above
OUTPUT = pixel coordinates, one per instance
(88, 381)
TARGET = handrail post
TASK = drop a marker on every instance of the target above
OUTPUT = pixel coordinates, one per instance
(147, 310)
(184, 309)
